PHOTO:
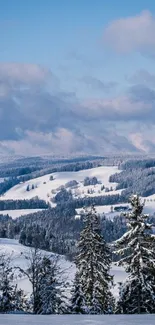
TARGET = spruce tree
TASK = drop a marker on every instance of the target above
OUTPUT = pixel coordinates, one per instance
(11, 298)
(51, 301)
(136, 248)
(93, 265)
(78, 303)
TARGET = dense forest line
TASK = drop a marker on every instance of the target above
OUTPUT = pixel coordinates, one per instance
(135, 180)
(34, 203)
(57, 229)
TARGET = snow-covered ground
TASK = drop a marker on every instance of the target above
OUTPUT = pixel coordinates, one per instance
(18, 213)
(105, 210)
(17, 251)
(149, 208)
(77, 320)
(43, 186)
(45, 189)
(149, 204)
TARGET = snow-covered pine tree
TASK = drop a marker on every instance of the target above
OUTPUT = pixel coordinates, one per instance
(50, 291)
(93, 265)
(6, 287)
(137, 250)
(77, 302)
(11, 298)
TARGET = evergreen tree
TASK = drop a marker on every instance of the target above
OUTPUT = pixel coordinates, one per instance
(78, 303)
(93, 265)
(50, 292)
(11, 298)
(136, 248)
(6, 286)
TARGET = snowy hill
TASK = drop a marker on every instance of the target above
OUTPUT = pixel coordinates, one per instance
(45, 188)
(12, 248)
(17, 251)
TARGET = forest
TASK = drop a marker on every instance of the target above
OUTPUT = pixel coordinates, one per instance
(92, 242)
(90, 293)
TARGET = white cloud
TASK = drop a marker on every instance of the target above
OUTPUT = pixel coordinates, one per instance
(142, 77)
(134, 33)
(97, 84)
(37, 121)
(23, 73)
(138, 140)
(119, 108)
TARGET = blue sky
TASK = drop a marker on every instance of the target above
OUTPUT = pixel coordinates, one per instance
(96, 59)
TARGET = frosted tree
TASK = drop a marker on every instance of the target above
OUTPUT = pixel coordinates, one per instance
(43, 273)
(93, 265)
(11, 298)
(52, 298)
(78, 303)
(137, 254)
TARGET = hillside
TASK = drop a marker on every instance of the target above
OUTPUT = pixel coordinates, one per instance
(12, 248)
(46, 187)
(42, 186)
(16, 251)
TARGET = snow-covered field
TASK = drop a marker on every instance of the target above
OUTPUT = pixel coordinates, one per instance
(77, 320)
(18, 213)
(43, 185)
(149, 204)
(106, 209)
(17, 251)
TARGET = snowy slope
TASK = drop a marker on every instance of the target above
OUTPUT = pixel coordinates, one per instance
(149, 204)
(16, 250)
(18, 213)
(43, 185)
(104, 210)
(149, 208)
(77, 320)
(45, 189)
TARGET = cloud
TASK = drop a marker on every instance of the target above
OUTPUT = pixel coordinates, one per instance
(143, 77)
(144, 139)
(79, 57)
(138, 140)
(97, 84)
(134, 33)
(35, 120)
(22, 73)
(61, 141)
(144, 95)
(132, 106)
